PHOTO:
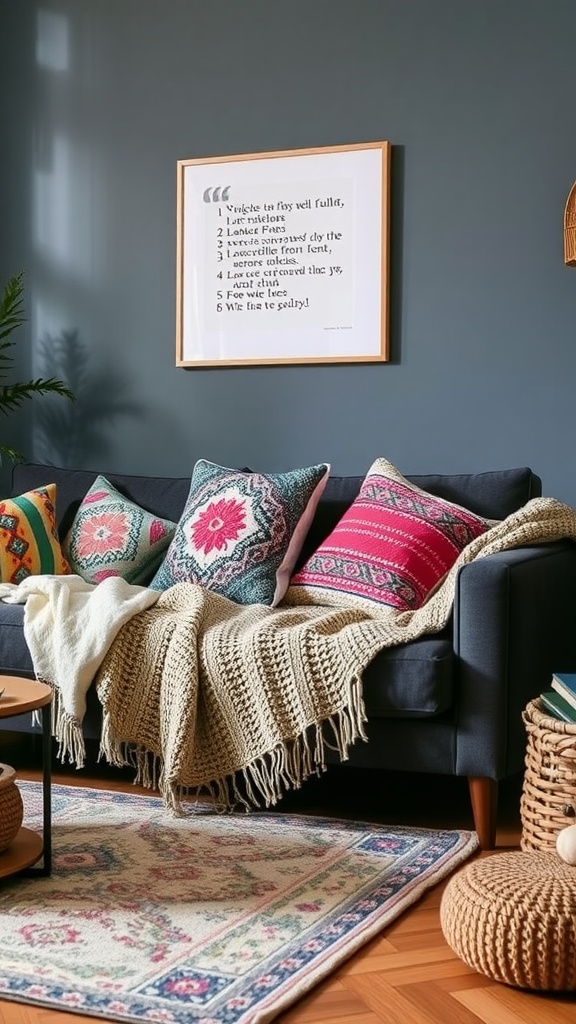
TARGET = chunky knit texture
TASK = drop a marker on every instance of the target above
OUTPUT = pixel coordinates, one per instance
(201, 693)
(512, 917)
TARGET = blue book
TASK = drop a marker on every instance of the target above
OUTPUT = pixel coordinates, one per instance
(565, 684)
(553, 703)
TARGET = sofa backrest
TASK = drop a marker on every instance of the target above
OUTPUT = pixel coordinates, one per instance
(164, 496)
(494, 494)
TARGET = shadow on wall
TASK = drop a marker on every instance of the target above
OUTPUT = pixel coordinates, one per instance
(71, 434)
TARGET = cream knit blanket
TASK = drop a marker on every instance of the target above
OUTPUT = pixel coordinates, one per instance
(68, 626)
(200, 693)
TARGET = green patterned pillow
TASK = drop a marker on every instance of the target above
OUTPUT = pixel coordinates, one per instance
(241, 533)
(113, 536)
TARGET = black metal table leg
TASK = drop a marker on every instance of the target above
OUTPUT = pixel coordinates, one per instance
(47, 786)
(45, 868)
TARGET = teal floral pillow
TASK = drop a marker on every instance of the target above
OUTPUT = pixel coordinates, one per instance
(241, 533)
(112, 536)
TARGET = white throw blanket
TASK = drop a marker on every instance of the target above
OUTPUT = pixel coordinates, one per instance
(69, 625)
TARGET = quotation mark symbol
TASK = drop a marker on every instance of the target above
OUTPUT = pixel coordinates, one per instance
(216, 195)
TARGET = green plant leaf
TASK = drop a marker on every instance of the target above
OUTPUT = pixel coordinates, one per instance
(13, 395)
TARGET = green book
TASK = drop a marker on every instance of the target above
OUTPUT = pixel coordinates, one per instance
(557, 706)
(565, 684)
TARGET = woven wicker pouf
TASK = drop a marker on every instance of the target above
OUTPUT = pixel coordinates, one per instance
(512, 917)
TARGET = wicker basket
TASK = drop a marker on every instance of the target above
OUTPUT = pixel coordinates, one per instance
(11, 807)
(548, 801)
(570, 228)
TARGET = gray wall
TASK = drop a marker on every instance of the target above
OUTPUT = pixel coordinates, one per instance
(100, 98)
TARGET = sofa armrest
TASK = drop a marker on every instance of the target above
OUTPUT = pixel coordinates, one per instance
(514, 624)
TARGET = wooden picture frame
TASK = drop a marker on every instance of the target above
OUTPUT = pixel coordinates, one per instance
(282, 257)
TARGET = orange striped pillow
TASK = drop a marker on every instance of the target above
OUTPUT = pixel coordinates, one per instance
(29, 544)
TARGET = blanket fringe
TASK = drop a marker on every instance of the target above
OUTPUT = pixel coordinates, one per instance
(261, 783)
(147, 765)
(67, 731)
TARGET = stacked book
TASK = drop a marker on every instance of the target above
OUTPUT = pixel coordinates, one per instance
(560, 701)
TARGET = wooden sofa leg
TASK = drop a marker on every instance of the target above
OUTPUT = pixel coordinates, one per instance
(484, 800)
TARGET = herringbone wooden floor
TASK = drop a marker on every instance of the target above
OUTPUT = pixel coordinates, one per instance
(408, 974)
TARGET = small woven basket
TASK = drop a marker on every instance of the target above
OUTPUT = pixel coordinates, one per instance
(11, 806)
(548, 801)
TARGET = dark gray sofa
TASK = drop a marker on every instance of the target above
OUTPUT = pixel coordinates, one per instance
(449, 703)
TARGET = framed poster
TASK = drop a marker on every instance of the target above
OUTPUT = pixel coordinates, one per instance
(282, 257)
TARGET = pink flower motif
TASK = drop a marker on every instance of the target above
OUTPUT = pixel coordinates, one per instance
(216, 525)
(36, 935)
(75, 859)
(157, 531)
(72, 999)
(95, 496)
(266, 981)
(188, 986)
(102, 533)
(308, 907)
(104, 574)
(291, 963)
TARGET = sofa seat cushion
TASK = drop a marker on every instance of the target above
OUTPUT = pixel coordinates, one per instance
(14, 654)
(413, 680)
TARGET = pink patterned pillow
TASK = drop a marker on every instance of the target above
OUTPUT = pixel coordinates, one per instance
(240, 533)
(393, 546)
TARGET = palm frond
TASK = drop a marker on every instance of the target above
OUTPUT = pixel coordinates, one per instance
(11, 307)
(13, 395)
(11, 453)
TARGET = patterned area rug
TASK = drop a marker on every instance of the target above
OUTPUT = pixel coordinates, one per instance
(207, 919)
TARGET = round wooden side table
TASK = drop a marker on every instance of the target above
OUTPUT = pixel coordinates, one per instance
(20, 696)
